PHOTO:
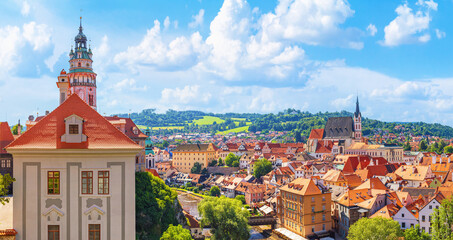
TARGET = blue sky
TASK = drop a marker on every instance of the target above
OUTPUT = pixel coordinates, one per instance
(236, 55)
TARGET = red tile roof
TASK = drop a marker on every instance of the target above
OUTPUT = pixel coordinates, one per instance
(129, 127)
(6, 136)
(316, 134)
(153, 172)
(46, 134)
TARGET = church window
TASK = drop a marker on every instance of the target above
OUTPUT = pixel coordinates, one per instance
(103, 182)
(53, 182)
(80, 64)
(87, 182)
(53, 232)
(88, 65)
(73, 129)
(94, 231)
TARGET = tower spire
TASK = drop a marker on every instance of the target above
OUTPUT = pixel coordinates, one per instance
(80, 28)
(357, 109)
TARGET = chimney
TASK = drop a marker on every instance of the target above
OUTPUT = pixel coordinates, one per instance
(440, 160)
(434, 159)
(47, 112)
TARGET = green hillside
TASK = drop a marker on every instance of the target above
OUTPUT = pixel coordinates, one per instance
(294, 121)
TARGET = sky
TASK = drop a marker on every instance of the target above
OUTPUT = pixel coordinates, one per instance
(235, 56)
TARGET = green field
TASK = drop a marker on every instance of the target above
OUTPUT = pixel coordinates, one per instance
(208, 120)
(239, 119)
(168, 128)
(235, 130)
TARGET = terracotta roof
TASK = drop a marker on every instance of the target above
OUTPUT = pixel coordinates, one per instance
(386, 212)
(372, 183)
(316, 134)
(302, 186)
(131, 130)
(153, 172)
(6, 136)
(353, 197)
(414, 173)
(192, 147)
(46, 134)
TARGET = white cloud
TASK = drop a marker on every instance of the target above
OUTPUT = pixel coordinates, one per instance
(178, 53)
(372, 30)
(440, 34)
(186, 95)
(10, 43)
(343, 103)
(167, 22)
(409, 26)
(103, 48)
(38, 35)
(25, 10)
(312, 22)
(197, 19)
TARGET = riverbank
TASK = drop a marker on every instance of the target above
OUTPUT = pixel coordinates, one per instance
(196, 195)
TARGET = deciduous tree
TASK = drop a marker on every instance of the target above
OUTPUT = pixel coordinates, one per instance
(261, 168)
(176, 233)
(214, 191)
(5, 182)
(375, 229)
(442, 220)
(416, 233)
(227, 218)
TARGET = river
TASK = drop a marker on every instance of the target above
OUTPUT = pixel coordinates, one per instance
(189, 203)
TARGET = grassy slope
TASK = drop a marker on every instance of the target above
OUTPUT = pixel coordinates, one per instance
(208, 120)
(235, 130)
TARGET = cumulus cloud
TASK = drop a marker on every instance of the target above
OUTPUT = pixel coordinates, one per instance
(409, 26)
(312, 22)
(181, 52)
(197, 19)
(372, 30)
(38, 35)
(440, 34)
(10, 43)
(103, 48)
(186, 95)
(25, 10)
(167, 22)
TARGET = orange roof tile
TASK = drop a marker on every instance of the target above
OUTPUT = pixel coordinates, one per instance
(6, 136)
(302, 186)
(46, 134)
(316, 134)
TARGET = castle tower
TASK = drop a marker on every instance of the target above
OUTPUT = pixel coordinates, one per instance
(357, 122)
(80, 79)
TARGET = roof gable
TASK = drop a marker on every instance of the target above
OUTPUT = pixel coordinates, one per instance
(6, 136)
(46, 134)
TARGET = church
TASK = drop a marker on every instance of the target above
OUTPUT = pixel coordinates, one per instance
(338, 134)
(74, 169)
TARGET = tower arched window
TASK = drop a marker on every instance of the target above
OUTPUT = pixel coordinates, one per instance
(80, 64)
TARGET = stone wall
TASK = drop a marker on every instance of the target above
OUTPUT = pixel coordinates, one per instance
(222, 170)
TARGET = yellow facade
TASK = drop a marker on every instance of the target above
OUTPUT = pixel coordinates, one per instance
(185, 157)
(305, 214)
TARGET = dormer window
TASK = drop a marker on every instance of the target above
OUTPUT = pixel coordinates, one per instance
(73, 130)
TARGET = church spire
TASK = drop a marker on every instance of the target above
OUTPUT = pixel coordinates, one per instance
(357, 109)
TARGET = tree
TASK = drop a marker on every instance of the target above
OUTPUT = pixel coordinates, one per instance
(407, 146)
(154, 206)
(227, 218)
(442, 220)
(15, 129)
(416, 233)
(165, 143)
(204, 171)
(230, 159)
(5, 182)
(196, 168)
(212, 163)
(448, 149)
(240, 198)
(220, 162)
(176, 233)
(214, 191)
(375, 229)
(297, 136)
(262, 167)
(423, 146)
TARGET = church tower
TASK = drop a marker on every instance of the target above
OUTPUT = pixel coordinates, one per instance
(80, 79)
(357, 122)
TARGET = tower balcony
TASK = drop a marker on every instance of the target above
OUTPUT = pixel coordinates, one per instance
(74, 84)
